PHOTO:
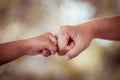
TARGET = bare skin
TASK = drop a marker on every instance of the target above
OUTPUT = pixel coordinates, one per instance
(74, 39)
(44, 44)
(71, 40)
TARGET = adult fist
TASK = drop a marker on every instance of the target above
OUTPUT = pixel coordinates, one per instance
(72, 40)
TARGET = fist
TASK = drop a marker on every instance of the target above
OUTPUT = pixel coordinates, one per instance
(72, 40)
(44, 44)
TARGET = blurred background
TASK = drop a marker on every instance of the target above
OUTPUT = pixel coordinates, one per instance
(21, 19)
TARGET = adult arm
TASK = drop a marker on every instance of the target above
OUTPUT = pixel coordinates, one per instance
(74, 39)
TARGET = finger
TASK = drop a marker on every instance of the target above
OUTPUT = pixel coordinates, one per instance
(66, 49)
(63, 39)
(61, 53)
(72, 44)
(74, 51)
(53, 39)
(46, 53)
(51, 47)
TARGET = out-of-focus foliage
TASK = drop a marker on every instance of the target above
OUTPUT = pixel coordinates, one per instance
(20, 19)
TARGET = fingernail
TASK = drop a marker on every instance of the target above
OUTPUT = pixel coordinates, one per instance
(66, 57)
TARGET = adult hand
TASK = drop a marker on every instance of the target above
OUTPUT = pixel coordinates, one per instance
(72, 40)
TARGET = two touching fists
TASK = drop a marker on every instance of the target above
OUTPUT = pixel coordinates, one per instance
(68, 41)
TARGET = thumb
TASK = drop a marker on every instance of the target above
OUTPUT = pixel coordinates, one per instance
(77, 48)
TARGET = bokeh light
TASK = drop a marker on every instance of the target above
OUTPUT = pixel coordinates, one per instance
(21, 19)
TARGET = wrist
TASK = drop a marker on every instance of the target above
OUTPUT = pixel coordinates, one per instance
(24, 47)
(89, 28)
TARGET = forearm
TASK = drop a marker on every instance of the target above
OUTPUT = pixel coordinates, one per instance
(11, 51)
(105, 28)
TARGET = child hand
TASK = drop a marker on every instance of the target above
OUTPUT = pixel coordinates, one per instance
(44, 44)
